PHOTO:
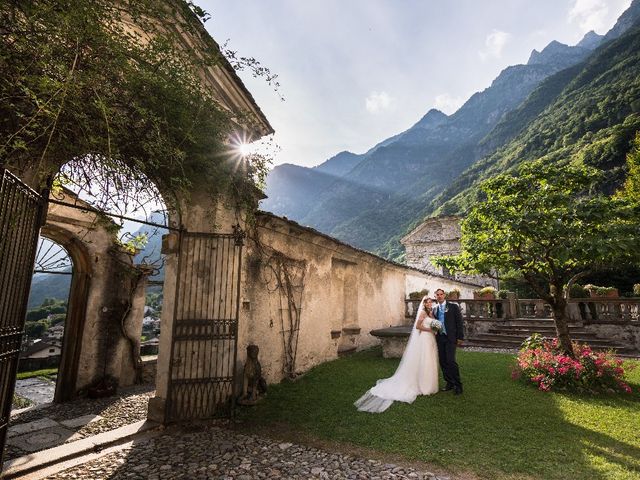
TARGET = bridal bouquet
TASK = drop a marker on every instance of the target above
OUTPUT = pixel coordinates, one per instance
(436, 325)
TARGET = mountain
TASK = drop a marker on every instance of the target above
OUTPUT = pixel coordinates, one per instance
(589, 113)
(371, 200)
(45, 285)
(591, 40)
(340, 164)
(561, 55)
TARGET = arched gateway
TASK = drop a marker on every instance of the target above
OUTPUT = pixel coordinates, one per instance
(197, 350)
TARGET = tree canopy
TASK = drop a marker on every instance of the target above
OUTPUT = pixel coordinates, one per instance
(549, 223)
(110, 86)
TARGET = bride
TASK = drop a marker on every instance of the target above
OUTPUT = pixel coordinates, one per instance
(417, 373)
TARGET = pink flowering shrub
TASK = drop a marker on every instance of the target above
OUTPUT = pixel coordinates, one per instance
(543, 364)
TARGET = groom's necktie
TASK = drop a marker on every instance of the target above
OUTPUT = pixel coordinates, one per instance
(441, 318)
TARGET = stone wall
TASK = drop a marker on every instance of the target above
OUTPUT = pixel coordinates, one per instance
(342, 293)
(435, 237)
(627, 334)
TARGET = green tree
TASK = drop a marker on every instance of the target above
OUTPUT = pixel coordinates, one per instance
(36, 329)
(632, 184)
(548, 224)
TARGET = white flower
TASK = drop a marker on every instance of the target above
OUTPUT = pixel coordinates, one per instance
(436, 325)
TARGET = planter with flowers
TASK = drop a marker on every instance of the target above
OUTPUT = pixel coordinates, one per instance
(453, 294)
(602, 292)
(418, 295)
(485, 293)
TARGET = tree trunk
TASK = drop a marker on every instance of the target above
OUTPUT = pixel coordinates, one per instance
(562, 324)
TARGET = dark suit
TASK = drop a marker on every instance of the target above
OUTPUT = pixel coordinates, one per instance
(447, 343)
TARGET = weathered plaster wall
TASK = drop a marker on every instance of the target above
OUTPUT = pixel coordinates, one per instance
(103, 279)
(346, 293)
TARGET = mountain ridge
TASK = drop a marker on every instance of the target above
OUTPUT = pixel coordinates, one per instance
(383, 193)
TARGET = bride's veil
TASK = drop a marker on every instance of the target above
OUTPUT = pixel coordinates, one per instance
(403, 385)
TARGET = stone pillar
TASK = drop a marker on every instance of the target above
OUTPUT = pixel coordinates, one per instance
(512, 306)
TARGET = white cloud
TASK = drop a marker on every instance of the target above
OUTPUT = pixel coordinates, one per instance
(447, 103)
(378, 101)
(494, 44)
(589, 14)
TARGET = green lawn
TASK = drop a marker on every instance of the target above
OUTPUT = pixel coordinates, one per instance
(46, 373)
(498, 429)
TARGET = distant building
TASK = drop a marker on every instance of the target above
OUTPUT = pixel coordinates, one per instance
(436, 237)
(56, 331)
(42, 349)
(150, 347)
(40, 354)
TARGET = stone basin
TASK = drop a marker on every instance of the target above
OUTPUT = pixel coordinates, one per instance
(393, 339)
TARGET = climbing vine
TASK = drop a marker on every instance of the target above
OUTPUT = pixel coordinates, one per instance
(112, 93)
(285, 276)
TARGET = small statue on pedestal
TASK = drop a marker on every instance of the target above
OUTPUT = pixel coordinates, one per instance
(253, 383)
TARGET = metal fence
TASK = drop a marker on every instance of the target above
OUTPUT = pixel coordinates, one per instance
(21, 215)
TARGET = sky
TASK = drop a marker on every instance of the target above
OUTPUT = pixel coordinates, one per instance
(355, 72)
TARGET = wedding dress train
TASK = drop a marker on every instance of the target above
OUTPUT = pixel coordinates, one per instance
(416, 375)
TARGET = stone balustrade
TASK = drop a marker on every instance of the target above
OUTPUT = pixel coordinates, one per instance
(582, 310)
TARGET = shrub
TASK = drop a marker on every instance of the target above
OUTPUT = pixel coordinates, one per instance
(636, 289)
(20, 402)
(419, 295)
(599, 290)
(542, 363)
(578, 291)
(535, 340)
(502, 294)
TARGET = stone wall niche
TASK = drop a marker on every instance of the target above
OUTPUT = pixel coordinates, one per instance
(344, 300)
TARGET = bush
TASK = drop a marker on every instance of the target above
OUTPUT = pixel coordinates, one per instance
(503, 294)
(535, 340)
(20, 402)
(542, 363)
(599, 290)
(419, 295)
(636, 289)
(578, 291)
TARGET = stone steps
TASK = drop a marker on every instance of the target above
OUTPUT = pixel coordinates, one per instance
(514, 345)
(518, 339)
(510, 335)
(544, 332)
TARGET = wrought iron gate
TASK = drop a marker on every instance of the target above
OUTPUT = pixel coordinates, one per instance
(21, 215)
(205, 328)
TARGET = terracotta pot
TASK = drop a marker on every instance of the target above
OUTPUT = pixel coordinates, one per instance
(484, 296)
(612, 294)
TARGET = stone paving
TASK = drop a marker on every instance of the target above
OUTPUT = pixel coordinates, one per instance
(215, 452)
(50, 425)
(200, 451)
(36, 390)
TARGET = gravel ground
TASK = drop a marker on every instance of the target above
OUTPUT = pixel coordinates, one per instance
(218, 453)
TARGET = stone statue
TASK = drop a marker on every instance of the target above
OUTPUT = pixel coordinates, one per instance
(253, 383)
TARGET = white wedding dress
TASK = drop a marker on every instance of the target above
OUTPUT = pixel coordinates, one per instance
(416, 375)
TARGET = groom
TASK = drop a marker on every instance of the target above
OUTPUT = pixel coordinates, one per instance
(448, 339)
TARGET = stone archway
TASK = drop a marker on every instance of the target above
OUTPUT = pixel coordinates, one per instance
(106, 299)
(76, 309)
